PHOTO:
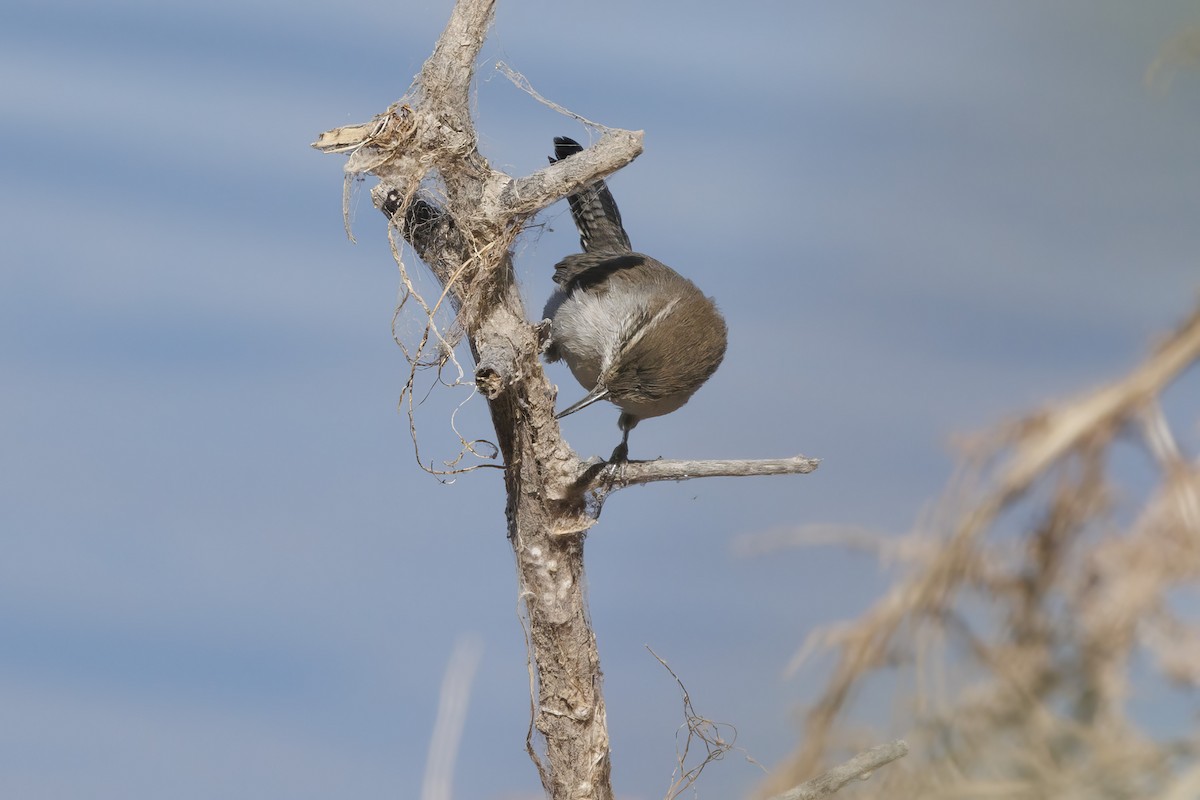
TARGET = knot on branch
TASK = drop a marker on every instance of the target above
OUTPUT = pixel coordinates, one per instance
(489, 381)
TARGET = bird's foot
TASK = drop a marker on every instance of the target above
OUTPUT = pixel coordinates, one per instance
(544, 340)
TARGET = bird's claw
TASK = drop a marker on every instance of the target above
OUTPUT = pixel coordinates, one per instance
(544, 340)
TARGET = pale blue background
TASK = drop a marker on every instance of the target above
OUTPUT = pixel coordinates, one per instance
(221, 573)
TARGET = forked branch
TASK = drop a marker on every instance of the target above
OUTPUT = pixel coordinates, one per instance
(461, 217)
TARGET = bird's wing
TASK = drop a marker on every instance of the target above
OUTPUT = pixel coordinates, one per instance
(591, 271)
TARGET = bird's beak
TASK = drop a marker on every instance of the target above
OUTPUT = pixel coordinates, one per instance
(599, 393)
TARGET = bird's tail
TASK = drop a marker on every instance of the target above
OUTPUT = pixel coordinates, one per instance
(593, 209)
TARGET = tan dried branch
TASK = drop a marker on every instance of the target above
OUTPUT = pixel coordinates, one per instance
(610, 476)
(858, 768)
(453, 700)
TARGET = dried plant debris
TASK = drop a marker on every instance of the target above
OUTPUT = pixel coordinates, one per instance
(1042, 609)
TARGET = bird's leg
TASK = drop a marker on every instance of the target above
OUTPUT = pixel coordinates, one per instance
(621, 454)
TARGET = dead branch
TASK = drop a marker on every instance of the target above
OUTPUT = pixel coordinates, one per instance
(461, 218)
(605, 477)
(860, 767)
(634, 472)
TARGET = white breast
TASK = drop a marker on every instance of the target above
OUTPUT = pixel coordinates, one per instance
(586, 327)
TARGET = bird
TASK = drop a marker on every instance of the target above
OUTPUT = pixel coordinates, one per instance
(632, 330)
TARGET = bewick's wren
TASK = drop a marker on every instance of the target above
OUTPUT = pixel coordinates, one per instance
(633, 331)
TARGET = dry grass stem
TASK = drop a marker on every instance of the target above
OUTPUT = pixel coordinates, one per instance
(453, 701)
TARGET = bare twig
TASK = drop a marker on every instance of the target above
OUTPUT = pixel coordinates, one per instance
(528, 195)
(635, 472)
(607, 477)
(859, 767)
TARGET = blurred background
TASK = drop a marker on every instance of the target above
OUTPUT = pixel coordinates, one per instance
(223, 573)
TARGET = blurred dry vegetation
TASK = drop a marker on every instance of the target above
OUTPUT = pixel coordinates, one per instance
(1051, 597)
(1035, 608)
